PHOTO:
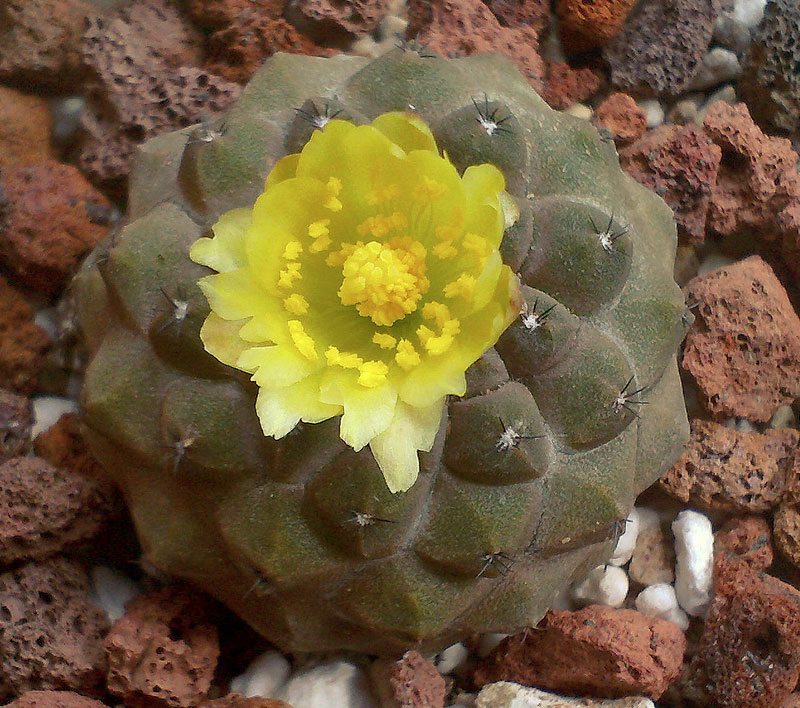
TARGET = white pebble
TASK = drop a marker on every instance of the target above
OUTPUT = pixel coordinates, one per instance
(47, 410)
(749, 12)
(511, 695)
(694, 548)
(334, 683)
(605, 585)
(264, 676)
(654, 112)
(659, 600)
(627, 541)
(111, 590)
(451, 658)
(580, 110)
(717, 67)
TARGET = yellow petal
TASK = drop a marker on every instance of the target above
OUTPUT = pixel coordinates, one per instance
(233, 295)
(280, 411)
(407, 131)
(275, 367)
(284, 169)
(396, 448)
(225, 251)
(221, 339)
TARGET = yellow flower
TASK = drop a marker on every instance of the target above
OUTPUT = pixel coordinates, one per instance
(363, 283)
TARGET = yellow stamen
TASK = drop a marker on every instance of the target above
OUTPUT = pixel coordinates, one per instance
(445, 250)
(288, 275)
(407, 357)
(383, 340)
(293, 250)
(296, 304)
(346, 360)
(333, 188)
(428, 190)
(476, 244)
(373, 373)
(463, 286)
(319, 228)
(301, 339)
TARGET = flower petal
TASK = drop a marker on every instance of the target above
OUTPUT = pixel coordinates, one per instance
(407, 131)
(221, 338)
(225, 251)
(276, 367)
(284, 169)
(233, 295)
(279, 411)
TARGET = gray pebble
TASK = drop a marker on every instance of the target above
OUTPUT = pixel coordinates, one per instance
(717, 66)
(732, 33)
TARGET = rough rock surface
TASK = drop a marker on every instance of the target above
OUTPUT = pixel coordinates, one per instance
(748, 538)
(39, 41)
(22, 343)
(534, 14)
(653, 559)
(236, 700)
(54, 699)
(680, 164)
(215, 14)
(356, 17)
(63, 446)
(454, 28)
(15, 425)
(622, 117)
(661, 45)
(43, 510)
(143, 81)
(591, 23)
(163, 651)
(565, 86)
(729, 470)
(744, 350)
(748, 655)
(597, 651)
(25, 124)
(51, 219)
(787, 517)
(770, 82)
(51, 634)
(410, 682)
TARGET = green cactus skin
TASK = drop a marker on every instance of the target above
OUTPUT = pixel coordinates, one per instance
(531, 469)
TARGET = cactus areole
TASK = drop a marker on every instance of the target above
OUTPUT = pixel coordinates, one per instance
(382, 357)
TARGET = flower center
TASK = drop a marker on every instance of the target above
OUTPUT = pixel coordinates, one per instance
(385, 281)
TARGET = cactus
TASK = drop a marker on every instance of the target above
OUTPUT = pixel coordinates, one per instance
(526, 428)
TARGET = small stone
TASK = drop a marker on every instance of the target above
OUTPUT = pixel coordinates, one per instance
(749, 12)
(585, 23)
(596, 651)
(653, 112)
(47, 411)
(730, 32)
(52, 218)
(214, 14)
(517, 13)
(333, 683)
(511, 695)
(604, 585)
(16, 414)
(653, 559)
(627, 540)
(580, 110)
(112, 590)
(787, 518)
(410, 682)
(717, 66)
(694, 550)
(660, 601)
(25, 125)
(263, 676)
(683, 112)
(54, 699)
(784, 417)
(163, 651)
(621, 116)
(51, 634)
(748, 538)
(745, 356)
(565, 86)
(451, 659)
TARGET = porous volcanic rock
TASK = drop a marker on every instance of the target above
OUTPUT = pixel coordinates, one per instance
(25, 124)
(63, 446)
(357, 17)
(410, 682)
(534, 14)
(749, 538)
(565, 86)
(54, 699)
(787, 517)
(591, 23)
(215, 14)
(16, 417)
(622, 117)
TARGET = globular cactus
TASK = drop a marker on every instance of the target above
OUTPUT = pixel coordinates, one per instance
(507, 242)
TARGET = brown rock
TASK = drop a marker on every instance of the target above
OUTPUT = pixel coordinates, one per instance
(163, 651)
(54, 699)
(597, 651)
(787, 518)
(653, 559)
(590, 23)
(52, 218)
(748, 655)
(25, 124)
(220, 13)
(63, 446)
(410, 682)
(356, 17)
(22, 343)
(748, 538)
(680, 164)
(238, 50)
(744, 350)
(730, 470)
(236, 700)
(51, 634)
(516, 13)
(43, 510)
(16, 417)
(464, 27)
(792, 701)
(622, 117)
(39, 41)
(565, 86)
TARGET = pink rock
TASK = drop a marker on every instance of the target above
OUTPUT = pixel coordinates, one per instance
(409, 682)
(748, 538)
(744, 351)
(63, 446)
(356, 17)
(680, 164)
(590, 23)
(16, 415)
(25, 124)
(54, 699)
(621, 116)
(236, 700)
(221, 13)
(597, 651)
(163, 651)
(565, 86)
(516, 13)
(51, 634)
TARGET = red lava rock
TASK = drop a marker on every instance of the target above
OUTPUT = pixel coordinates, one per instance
(53, 217)
(464, 27)
(621, 116)
(748, 655)
(661, 45)
(356, 17)
(757, 193)
(410, 682)
(749, 539)
(238, 50)
(516, 13)
(16, 417)
(597, 651)
(744, 349)
(63, 446)
(25, 124)
(22, 343)
(565, 86)
(787, 517)
(680, 164)
(44, 509)
(54, 699)
(143, 81)
(220, 13)
(51, 634)
(236, 700)
(163, 651)
(729, 470)
(39, 41)
(590, 23)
